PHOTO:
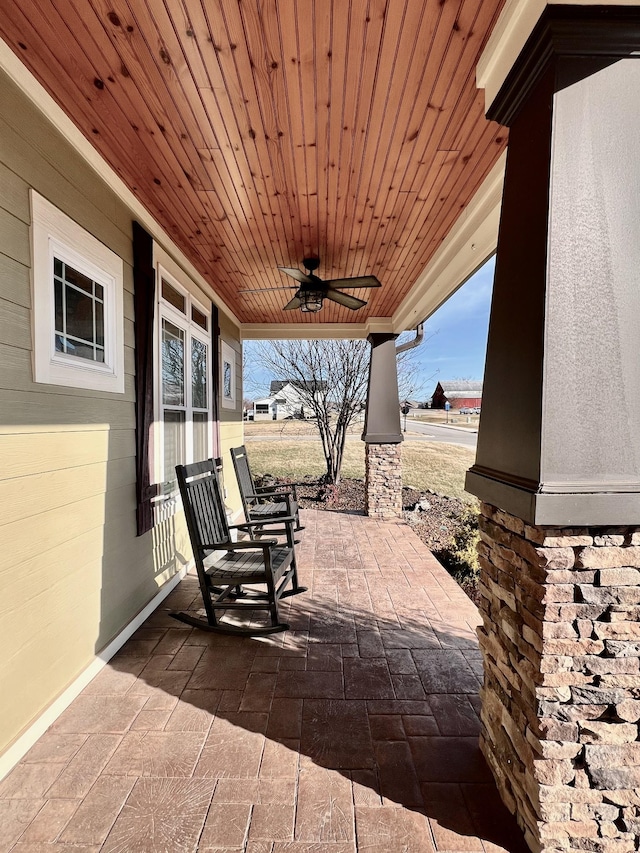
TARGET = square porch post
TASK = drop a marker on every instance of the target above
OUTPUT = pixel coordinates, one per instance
(382, 433)
(558, 459)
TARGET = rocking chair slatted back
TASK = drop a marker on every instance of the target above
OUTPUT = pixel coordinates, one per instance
(263, 503)
(207, 510)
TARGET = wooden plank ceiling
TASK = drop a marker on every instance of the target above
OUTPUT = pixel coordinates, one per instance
(260, 132)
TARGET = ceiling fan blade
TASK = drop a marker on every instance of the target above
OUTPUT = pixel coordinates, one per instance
(345, 299)
(295, 303)
(265, 289)
(357, 281)
(300, 276)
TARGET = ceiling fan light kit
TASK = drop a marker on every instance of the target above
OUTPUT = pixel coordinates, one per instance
(311, 291)
(311, 301)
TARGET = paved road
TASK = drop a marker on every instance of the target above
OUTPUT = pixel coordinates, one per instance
(416, 431)
(419, 431)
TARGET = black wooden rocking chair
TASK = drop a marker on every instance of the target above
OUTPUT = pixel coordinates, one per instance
(264, 503)
(225, 567)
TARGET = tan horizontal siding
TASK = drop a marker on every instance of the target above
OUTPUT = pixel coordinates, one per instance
(14, 281)
(73, 573)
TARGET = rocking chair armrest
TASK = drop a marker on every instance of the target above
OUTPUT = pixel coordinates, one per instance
(282, 497)
(278, 490)
(242, 545)
(272, 519)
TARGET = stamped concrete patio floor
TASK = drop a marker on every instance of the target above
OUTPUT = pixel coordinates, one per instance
(356, 730)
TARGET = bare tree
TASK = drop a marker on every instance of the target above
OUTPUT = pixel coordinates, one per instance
(331, 378)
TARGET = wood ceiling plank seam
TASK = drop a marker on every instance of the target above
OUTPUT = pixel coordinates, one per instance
(399, 288)
(227, 74)
(322, 51)
(451, 71)
(340, 30)
(424, 258)
(353, 69)
(293, 248)
(373, 39)
(225, 170)
(365, 30)
(240, 62)
(44, 61)
(159, 18)
(323, 48)
(424, 120)
(166, 36)
(404, 118)
(474, 96)
(306, 34)
(135, 101)
(268, 152)
(291, 47)
(430, 238)
(265, 73)
(442, 119)
(178, 198)
(459, 193)
(306, 153)
(171, 67)
(217, 104)
(390, 125)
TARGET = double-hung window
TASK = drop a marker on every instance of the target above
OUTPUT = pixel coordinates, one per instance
(184, 379)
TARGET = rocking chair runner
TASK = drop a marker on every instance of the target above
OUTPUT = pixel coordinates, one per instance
(224, 567)
(263, 503)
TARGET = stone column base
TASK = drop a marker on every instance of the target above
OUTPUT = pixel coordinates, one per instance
(383, 480)
(561, 694)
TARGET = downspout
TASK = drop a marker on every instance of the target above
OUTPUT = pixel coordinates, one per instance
(413, 343)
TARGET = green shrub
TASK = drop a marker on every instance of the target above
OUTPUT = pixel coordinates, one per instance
(460, 558)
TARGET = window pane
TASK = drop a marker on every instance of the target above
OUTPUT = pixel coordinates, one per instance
(200, 436)
(79, 311)
(99, 323)
(78, 279)
(172, 364)
(173, 297)
(199, 374)
(174, 443)
(226, 380)
(199, 318)
(59, 321)
(79, 317)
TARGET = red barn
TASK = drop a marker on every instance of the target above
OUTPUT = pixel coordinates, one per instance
(459, 393)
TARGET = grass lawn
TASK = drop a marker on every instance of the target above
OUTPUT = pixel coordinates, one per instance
(440, 467)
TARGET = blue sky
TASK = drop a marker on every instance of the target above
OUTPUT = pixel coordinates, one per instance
(456, 334)
(455, 342)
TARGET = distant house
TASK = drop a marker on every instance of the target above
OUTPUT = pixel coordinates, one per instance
(459, 393)
(286, 400)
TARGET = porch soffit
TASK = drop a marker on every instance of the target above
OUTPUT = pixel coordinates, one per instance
(514, 26)
(259, 134)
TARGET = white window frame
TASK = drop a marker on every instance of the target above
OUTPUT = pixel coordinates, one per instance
(56, 235)
(164, 310)
(228, 356)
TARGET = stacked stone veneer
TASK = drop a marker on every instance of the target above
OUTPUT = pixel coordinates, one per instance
(383, 480)
(561, 695)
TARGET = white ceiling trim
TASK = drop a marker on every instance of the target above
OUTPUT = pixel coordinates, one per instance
(514, 26)
(469, 243)
(41, 99)
(315, 331)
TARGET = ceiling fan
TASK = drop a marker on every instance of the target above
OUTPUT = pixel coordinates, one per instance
(311, 291)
